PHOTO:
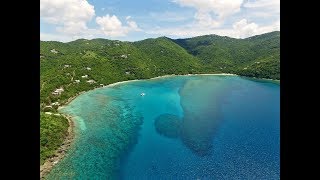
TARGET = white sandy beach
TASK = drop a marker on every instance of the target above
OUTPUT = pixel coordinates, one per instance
(158, 77)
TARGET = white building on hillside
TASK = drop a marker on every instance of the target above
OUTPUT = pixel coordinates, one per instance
(91, 81)
(58, 91)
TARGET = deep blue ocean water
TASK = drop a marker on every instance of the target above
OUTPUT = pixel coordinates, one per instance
(185, 127)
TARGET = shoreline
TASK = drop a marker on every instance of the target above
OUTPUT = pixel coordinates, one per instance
(60, 152)
(47, 166)
(133, 80)
(216, 74)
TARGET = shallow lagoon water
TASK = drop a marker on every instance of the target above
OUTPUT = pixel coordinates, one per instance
(185, 127)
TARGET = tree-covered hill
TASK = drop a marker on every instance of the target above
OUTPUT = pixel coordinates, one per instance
(67, 69)
(241, 56)
(167, 57)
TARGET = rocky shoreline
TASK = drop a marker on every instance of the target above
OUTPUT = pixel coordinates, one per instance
(60, 152)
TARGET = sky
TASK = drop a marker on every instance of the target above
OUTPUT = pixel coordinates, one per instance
(133, 20)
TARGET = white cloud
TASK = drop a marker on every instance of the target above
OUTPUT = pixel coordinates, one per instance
(211, 14)
(133, 26)
(112, 26)
(168, 16)
(269, 4)
(73, 28)
(220, 8)
(234, 18)
(184, 32)
(67, 38)
(54, 37)
(263, 8)
(205, 20)
(261, 14)
(245, 29)
(240, 29)
(71, 16)
(275, 26)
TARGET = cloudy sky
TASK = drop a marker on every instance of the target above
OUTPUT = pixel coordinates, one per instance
(132, 20)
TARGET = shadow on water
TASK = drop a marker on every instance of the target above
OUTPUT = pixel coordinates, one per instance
(202, 115)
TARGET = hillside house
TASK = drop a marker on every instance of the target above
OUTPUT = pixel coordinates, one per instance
(55, 104)
(58, 91)
(54, 51)
(91, 81)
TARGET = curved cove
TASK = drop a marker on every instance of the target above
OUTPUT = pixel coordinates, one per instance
(184, 127)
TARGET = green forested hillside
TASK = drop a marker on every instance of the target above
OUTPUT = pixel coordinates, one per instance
(166, 57)
(53, 129)
(67, 69)
(257, 56)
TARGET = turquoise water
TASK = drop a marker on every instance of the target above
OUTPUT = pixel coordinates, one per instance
(185, 127)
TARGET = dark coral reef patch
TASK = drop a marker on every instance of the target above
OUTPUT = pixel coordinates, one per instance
(168, 125)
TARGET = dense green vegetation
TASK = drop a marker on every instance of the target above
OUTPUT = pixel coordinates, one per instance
(257, 56)
(70, 65)
(53, 129)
